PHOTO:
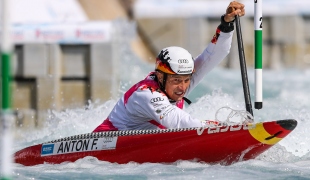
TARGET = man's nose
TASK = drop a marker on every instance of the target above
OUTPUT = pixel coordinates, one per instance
(182, 85)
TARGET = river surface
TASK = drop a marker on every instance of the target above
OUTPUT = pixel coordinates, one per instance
(286, 96)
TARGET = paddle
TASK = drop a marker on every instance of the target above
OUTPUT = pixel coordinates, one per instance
(243, 68)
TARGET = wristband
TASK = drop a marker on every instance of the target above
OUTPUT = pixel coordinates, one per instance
(226, 26)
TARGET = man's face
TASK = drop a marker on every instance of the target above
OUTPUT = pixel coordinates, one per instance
(176, 85)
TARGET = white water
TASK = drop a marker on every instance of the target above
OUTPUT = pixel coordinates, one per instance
(286, 96)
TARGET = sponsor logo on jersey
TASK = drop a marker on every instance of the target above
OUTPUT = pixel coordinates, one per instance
(152, 77)
(166, 112)
(157, 99)
(155, 105)
(159, 110)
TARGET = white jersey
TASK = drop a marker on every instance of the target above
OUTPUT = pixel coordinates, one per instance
(145, 106)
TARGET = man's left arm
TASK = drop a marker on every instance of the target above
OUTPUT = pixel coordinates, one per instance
(219, 47)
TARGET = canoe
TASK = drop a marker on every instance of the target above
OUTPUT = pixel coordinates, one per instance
(224, 145)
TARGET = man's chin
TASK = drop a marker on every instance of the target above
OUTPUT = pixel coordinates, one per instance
(179, 98)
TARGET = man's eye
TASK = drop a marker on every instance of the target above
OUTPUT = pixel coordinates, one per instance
(175, 80)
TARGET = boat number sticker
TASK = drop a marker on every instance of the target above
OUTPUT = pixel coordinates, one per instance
(82, 145)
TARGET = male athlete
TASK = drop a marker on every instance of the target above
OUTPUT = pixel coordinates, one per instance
(157, 101)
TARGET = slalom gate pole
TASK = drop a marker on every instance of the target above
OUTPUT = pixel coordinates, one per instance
(243, 68)
(6, 115)
(258, 53)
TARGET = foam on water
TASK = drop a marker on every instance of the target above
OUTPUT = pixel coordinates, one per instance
(66, 123)
(286, 98)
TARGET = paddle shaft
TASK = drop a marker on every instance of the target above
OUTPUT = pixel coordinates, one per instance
(243, 68)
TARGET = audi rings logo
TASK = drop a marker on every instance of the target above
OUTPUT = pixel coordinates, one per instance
(157, 99)
(183, 61)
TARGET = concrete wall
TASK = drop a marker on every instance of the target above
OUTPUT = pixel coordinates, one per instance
(52, 76)
(286, 39)
(59, 76)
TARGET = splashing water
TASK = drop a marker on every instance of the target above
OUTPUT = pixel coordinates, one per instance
(286, 96)
(288, 159)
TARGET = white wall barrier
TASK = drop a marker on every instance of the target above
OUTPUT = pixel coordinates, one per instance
(77, 33)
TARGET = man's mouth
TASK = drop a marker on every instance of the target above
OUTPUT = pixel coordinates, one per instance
(179, 93)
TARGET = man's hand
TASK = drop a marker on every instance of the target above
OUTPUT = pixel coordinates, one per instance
(234, 8)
